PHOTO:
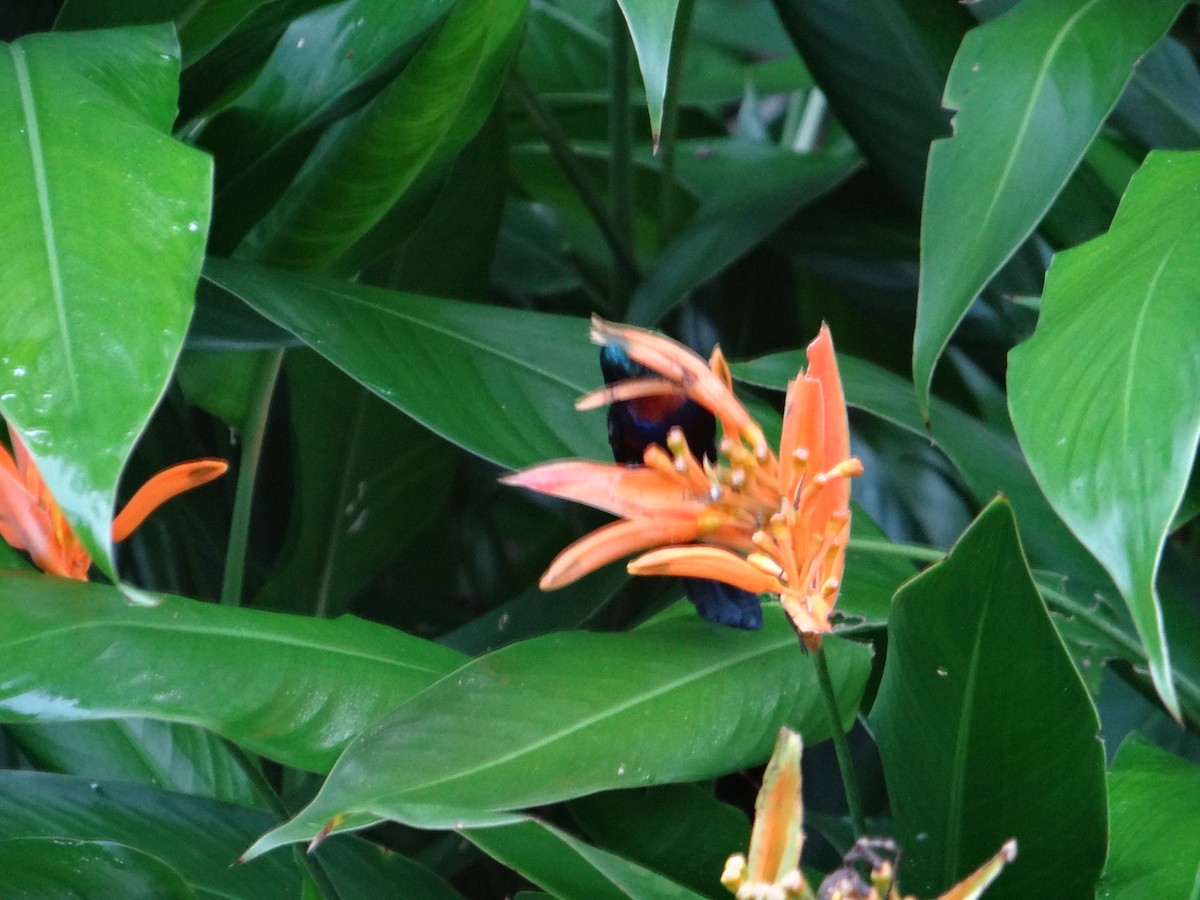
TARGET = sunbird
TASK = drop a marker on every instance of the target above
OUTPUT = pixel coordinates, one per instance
(635, 424)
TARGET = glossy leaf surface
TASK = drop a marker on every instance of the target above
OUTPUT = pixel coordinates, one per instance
(198, 839)
(500, 383)
(327, 679)
(55, 867)
(573, 869)
(1087, 388)
(93, 330)
(679, 830)
(978, 691)
(172, 756)
(674, 700)
(1154, 804)
(419, 122)
(1025, 114)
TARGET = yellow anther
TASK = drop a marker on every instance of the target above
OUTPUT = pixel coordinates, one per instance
(764, 563)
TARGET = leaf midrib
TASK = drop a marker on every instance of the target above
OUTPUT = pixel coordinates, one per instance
(579, 724)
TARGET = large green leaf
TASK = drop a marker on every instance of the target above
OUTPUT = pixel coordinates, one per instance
(197, 838)
(1161, 106)
(183, 758)
(680, 830)
(1118, 326)
(325, 65)
(70, 650)
(1030, 89)
(565, 715)
(571, 868)
(58, 867)
(367, 478)
(501, 383)
(366, 163)
(652, 27)
(736, 217)
(104, 218)
(883, 66)
(977, 694)
(1154, 803)
(201, 24)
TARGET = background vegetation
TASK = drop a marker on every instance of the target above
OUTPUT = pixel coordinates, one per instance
(352, 248)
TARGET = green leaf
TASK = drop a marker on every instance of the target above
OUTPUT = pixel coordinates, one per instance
(652, 26)
(168, 755)
(977, 693)
(883, 67)
(367, 479)
(325, 65)
(57, 867)
(366, 163)
(201, 24)
(197, 838)
(1154, 803)
(571, 868)
(92, 328)
(674, 700)
(1031, 89)
(1118, 324)
(679, 830)
(1161, 106)
(736, 217)
(71, 650)
(501, 383)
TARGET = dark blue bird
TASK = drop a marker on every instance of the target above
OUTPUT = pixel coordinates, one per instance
(633, 425)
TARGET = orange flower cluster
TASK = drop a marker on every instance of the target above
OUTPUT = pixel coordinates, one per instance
(30, 518)
(764, 522)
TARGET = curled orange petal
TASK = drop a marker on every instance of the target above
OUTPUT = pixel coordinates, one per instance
(612, 542)
(162, 487)
(622, 490)
(704, 561)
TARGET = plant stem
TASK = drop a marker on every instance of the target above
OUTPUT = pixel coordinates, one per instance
(840, 745)
(266, 793)
(670, 120)
(560, 147)
(252, 443)
(908, 551)
(620, 154)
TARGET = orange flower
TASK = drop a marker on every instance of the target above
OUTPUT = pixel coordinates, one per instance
(31, 520)
(761, 522)
(773, 869)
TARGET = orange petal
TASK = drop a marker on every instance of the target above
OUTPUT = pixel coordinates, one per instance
(973, 885)
(629, 389)
(801, 432)
(704, 561)
(162, 487)
(778, 837)
(628, 491)
(822, 366)
(685, 368)
(612, 542)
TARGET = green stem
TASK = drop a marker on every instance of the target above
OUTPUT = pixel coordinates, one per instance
(252, 443)
(908, 551)
(670, 120)
(266, 793)
(840, 745)
(560, 147)
(620, 156)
